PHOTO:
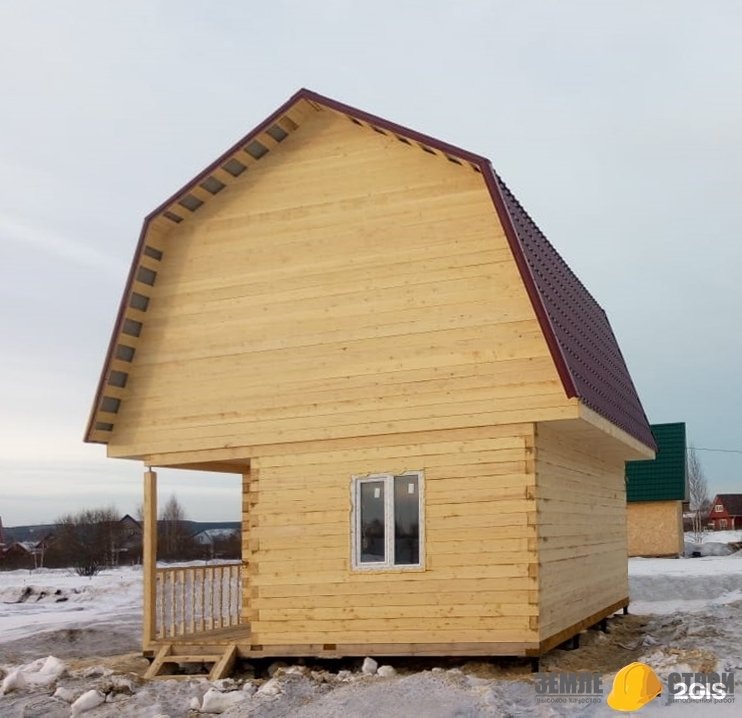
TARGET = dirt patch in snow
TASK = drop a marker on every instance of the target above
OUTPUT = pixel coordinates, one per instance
(603, 652)
(70, 643)
(124, 663)
(631, 638)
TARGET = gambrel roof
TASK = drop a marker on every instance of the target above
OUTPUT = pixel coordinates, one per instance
(732, 504)
(580, 339)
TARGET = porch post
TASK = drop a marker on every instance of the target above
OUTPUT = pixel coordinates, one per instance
(149, 558)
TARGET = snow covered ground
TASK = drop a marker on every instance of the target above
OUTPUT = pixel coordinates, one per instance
(686, 616)
(52, 598)
(717, 536)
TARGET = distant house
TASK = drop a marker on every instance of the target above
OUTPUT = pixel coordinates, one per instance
(128, 548)
(430, 412)
(655, 492)
(130, 526)
(219, 542)
(209, 537)
(725, 512)
(33, 533)
(26, 554)
(17, 555)
(24, 546)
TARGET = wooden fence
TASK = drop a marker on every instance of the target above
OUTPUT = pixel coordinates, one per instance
(193, 599)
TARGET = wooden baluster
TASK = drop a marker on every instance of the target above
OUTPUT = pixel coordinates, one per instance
(181, 582)
(237, 591)
(202, 616)
(165, 603)
(228, 610)
(158, 605)
(161, 606)
(209, 589)
(171, 603)
(192, 622)
(220, 594)
(240, 597)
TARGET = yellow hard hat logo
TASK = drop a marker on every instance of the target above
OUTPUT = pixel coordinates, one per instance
(633, 687)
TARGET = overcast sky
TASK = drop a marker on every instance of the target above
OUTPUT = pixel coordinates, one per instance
(616, 123)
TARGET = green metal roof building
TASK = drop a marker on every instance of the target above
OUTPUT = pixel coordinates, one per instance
(662, 479)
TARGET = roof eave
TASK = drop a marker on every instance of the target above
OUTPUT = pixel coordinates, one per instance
(639, 449)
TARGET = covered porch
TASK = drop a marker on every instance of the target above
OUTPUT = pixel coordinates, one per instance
(192, 612)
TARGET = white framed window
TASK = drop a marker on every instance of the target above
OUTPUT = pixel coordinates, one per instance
(718, 508)
(722, 523)
(387, 527)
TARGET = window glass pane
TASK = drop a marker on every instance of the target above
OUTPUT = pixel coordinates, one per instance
(406, 520)
(372, 522)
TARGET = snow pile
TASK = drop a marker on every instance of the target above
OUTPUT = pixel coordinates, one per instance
(659, 586)
(87, 701)
(710, 548)
(711, 543)
(715, 536)
(38, 673)
(214, 701)
(270, 688)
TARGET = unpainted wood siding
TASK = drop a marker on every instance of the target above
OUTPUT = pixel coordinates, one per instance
(246, 555)
(347, 284)
(581, 503)
(478, 583)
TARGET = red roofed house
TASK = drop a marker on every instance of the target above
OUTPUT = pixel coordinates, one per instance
(726, 512)
(429, 411)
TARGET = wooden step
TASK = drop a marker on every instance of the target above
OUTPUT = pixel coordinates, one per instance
(223, 663)
(223, 667)
(156, 665)
(192, 658)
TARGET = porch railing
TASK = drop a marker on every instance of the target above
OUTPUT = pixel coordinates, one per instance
(192, 599)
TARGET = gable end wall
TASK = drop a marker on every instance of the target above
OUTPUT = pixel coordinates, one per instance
(347, 285)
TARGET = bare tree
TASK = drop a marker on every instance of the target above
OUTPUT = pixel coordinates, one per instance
(698, 493)
(173, 537)
(87, 540)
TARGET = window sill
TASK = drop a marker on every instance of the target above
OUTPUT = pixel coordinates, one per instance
(363, 570)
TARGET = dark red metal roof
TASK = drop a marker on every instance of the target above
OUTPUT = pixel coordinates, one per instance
(588, 349)
(732, 504)
(582, 344)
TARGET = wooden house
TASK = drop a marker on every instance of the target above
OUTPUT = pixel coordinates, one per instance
(725, 512)
(429, 411)
(655, 492)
